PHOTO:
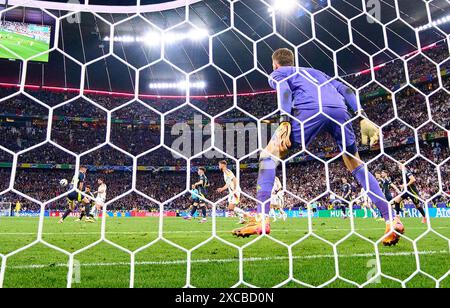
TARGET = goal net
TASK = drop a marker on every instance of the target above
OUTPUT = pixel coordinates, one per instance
(174, 117)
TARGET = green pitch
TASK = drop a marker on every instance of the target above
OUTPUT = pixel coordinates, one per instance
(23, 46)
(216, 264)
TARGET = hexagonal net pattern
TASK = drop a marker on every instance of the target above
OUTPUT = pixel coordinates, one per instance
(401, 83)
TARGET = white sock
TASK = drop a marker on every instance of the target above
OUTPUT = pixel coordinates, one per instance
(374, 214)
(272, 213)
(239, 212)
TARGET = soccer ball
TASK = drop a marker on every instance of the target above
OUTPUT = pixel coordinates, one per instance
(63, 182)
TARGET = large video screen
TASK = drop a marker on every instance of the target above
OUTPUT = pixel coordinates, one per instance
(25, 40)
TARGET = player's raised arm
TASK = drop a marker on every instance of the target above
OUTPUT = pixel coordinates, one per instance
(411, 180)
(277, 82)
(348, 94)
(235, 184)
(222, 189)
(199, 183)
(102, 189)
(369, 131)
(347, 194)
(395, 187)
(281, 142)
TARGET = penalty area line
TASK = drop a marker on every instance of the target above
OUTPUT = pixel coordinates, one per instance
(200, 231)
(201, 261)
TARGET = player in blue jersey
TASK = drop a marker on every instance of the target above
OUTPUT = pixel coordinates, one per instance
(320, 104)
(202, 185)
(202, 190)
(75, 196)
(86, 209)
(412, 192)
(196, 198)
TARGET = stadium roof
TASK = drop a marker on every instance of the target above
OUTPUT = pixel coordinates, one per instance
(186, 46)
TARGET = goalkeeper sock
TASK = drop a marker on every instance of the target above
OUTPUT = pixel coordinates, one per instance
(376, 195)
(266, 179)
(66, 213)
(344, 210)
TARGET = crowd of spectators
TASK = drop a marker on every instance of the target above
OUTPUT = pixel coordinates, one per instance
(305, 181)
(34, 31)
(79, 126)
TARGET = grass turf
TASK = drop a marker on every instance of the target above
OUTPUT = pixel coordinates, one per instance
(27, 48)
(216, 264)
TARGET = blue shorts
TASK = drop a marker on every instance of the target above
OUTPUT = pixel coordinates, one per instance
(74, 196)
(388, 197)
(317, 123)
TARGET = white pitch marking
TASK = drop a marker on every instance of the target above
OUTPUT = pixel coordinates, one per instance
(178, 262)
(206, 231)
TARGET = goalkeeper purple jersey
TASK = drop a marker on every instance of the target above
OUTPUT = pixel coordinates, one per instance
(299, 90)
(299, 97)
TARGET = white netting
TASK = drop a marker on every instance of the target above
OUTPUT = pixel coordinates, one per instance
(430, 94)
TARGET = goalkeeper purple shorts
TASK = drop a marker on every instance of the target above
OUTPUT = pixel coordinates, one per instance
(315, 123)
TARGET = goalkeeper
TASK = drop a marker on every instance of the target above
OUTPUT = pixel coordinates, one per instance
(298, 90)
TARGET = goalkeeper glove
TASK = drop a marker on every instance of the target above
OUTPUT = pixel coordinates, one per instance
(369, 131)
(280, 142)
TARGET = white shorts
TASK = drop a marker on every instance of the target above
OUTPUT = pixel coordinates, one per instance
(277, 201)
(234, 199)
(100, 201)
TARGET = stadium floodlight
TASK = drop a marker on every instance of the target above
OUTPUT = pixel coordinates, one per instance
(198, 35)
(284, 6)
(155, 38)
(152, 39)
(438, 22)
(123, 39)
(142, 181)
(177, 85)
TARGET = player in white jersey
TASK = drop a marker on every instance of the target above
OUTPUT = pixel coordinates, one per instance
(277, 201)
(101, 197)
(366, 204)
(234, 191)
